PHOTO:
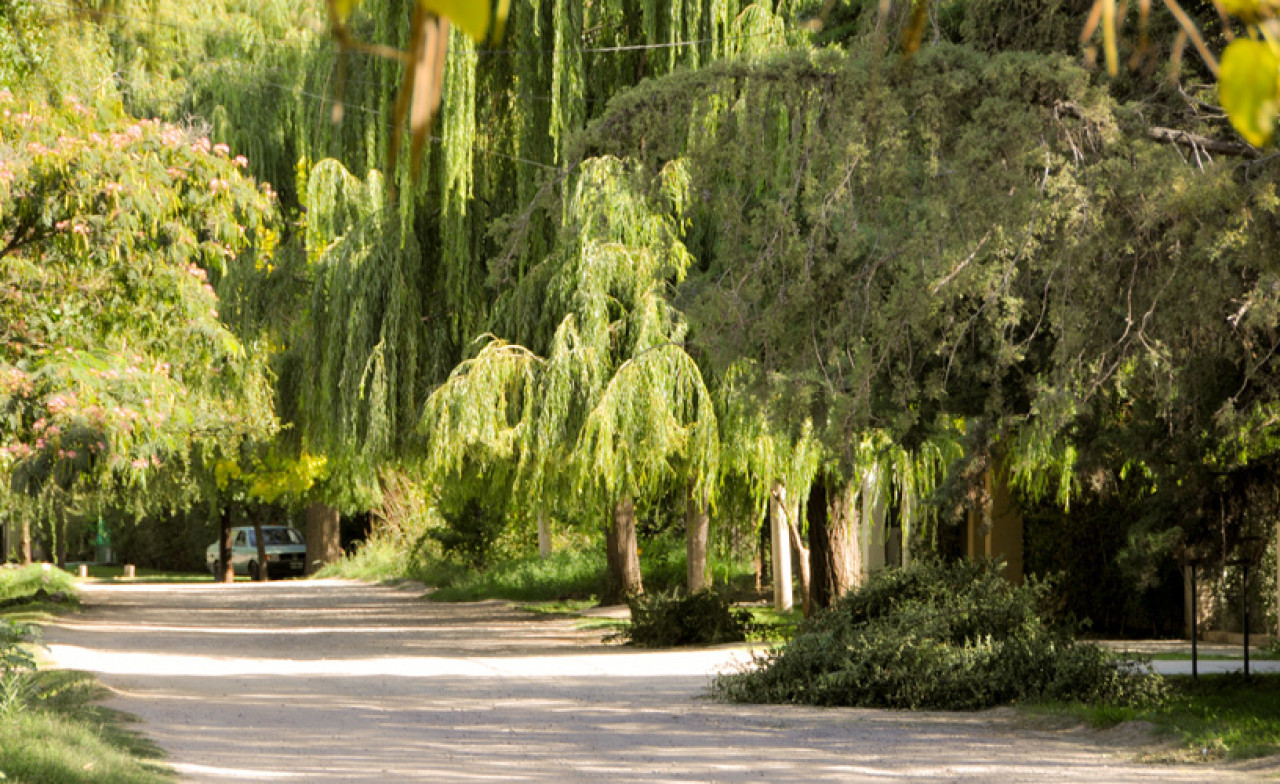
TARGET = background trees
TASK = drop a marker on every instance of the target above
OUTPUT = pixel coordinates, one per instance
(697, 254)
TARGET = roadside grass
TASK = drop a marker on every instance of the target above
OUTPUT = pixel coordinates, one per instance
(29, 580)
(1210, 718)
(62, 737)
(30, 594)
(51, 730)
(771, 625)
(559, 607)
(1257, 654)
(569, 574)
(115, 573)
(377, 560)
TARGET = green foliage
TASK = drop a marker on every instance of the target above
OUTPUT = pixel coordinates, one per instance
(1211, 717)
(614, 406)
(932, 635)
(398, 545)
(666, 620)
(114, 361)
(471, 530)
(63, 738)
(569, 574)
(26, 581)
(16, 664)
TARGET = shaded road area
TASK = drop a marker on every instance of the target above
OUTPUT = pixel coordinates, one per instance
(329, 681)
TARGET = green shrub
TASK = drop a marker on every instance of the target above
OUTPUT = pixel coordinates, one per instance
(932, 635)
(667, 620)
(33, 584)
(16, 663)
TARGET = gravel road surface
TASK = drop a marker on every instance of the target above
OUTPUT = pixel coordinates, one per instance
(332, 681)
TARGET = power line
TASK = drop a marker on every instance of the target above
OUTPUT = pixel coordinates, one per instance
(222, 32)
(380, 114)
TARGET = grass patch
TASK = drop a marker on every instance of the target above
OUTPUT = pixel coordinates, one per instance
(565, 575)
(560, 607)
(376, 560)
(142, 575)
(1212, 717)
(64, 738)
(771, 625)
(31, 594)
(24, 581)
(1254, 655)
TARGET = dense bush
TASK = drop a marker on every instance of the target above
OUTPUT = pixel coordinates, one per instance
(670, 619)
(932, 635)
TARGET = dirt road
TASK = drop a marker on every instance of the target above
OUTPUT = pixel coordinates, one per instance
(332, 681)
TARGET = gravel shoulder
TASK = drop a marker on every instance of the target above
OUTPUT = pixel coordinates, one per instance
(334, 681)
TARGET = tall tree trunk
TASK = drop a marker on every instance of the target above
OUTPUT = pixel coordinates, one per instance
(261, 541)
(1277, 629)
(623, 555)
(60, 536)
(226, 569)
(760, 561)
(544, 535)
(698, 525)
(25, 540)
(803, 559)
(833, 537)
(324, 543)
(782, 600)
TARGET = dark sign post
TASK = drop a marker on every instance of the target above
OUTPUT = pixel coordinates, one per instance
(1190, 558)
(1251, 553)
(1195, 611)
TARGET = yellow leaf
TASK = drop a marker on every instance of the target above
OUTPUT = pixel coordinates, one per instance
(341, 9)
(1248, 83)
(474, 17)
(1246, 10)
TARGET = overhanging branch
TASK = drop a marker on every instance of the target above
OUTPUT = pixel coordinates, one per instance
(1196, 141)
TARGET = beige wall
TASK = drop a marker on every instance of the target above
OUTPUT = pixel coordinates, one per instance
(1002, 538)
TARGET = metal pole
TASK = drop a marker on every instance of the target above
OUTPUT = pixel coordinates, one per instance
(1245, 603)
(1195, 610)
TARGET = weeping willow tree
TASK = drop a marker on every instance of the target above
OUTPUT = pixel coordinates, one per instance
(601, 402)
(496, 160)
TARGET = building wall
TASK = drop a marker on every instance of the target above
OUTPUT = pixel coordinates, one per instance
(1000, 536)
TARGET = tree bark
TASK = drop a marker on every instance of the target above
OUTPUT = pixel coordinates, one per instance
(25, 541)
(261, 542)
(544, 536)
(806, 592)
(782, 599)
(698, 525)
(226, 569)
(623, 555)
(1277, 629)
(833, 537)
(760, 561)
(324, 544)
(60, 536)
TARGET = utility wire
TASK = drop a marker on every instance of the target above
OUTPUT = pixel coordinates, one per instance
(222, 32)
(381, 114)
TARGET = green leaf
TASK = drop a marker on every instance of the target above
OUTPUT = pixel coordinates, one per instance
(1248, 84)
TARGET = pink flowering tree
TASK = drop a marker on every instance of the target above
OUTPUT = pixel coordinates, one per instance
(116, 373)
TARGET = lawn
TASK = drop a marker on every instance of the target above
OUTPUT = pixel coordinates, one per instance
(141, 575)
(1211, 717)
